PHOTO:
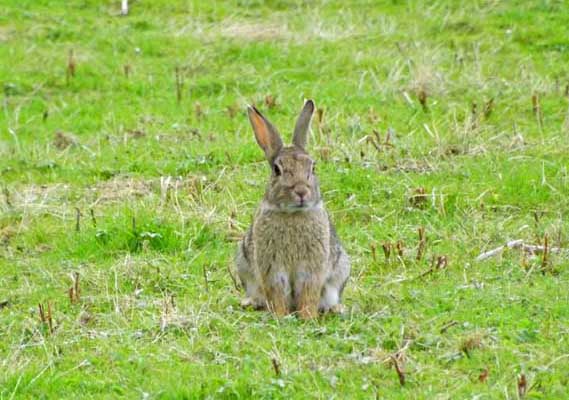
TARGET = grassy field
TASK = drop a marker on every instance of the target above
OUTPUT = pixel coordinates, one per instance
(128, 170)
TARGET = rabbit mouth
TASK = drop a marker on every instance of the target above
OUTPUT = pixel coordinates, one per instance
(300, 205)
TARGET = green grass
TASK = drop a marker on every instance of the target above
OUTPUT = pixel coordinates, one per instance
(165, 187)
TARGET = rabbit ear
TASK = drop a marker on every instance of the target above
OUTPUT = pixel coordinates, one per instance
(302, 124)
(266, 134)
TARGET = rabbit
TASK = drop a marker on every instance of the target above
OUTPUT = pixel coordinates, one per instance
(291, 259)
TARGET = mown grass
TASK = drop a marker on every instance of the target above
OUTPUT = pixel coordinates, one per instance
(164, 187)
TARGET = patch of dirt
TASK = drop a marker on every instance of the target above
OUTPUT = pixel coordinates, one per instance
(5, 33)
(64, 140)
(254, 31)
(62, 199)
(7, 233)
(121, 188)
(37, 198)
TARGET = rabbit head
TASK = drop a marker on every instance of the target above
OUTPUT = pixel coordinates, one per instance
(292, 187)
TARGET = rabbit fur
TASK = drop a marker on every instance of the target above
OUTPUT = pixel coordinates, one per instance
(291, 259)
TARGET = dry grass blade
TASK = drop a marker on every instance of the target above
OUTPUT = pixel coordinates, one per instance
(179, 84)
(545, 258)
(522, 386)
(46, 316)
(488, 108)
(71, 66)
(77, 219)
(124, 7)
(75, 289)
(536, 107)
(386, 250)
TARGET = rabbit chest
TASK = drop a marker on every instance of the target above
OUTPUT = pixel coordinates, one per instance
(291, 242)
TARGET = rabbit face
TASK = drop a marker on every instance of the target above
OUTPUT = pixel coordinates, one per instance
(293, 185)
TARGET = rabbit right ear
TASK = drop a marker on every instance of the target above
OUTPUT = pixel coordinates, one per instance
(266, 134)
(300, 135)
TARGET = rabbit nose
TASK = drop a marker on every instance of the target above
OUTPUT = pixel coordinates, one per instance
(301, 192)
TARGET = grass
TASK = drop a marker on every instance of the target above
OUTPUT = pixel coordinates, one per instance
(109, 173)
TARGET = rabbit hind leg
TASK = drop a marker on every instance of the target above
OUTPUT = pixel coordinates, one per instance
(330, 299)
(308, 288)
(278, 294)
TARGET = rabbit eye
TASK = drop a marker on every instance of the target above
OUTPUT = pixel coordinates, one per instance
(277, 170)
(312, 168)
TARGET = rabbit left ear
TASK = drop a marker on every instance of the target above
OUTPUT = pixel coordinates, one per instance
(266, 134)
(302, 124)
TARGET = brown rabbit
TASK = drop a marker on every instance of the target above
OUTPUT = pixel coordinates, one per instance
(291, 259)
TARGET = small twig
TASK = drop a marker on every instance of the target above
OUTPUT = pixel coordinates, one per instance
(422, 243)
(399, 371)
(46, 317)
(399, 247)
(49, 317)
(42, 315)
(544, 260)
(536, 106)
(474, 116)
(179, 84)
(510, 245)
(422, 96)
(438, 263)
(71, 66)
(375, 144)
(518, 244)
(448, 325)
(276, 366)
(386, 250)
(235, 284)
(93, 219)
(373, 252)
(77, 219)
(320, 115)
